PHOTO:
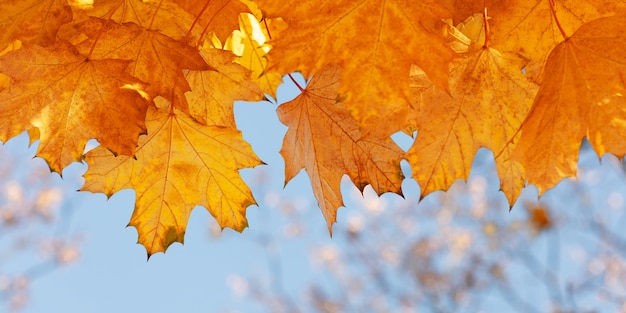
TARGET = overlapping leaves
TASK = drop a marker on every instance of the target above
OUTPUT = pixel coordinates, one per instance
(154, 82)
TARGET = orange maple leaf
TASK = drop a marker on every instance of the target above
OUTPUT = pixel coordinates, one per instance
(325, 140)
(529, 27)
(583, 94)
(489, 97)
(178, 165)
(375, 42)
(70, 99)
(488, 100)
(34, 21)
(217, 16)
(165, 16)
(156, 58)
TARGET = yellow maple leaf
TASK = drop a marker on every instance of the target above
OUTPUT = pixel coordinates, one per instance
(375, 42)
(178, 165)
(213, 92)
(325, 140)
(249, 43)
(70, 100)
(155, 57)
(583, 94)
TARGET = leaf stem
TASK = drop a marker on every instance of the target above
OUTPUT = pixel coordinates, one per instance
(155, 13)
(206, 28)
(267, 28)
(558, 24)
(296, 83)
(206, 5)
(95, 41)
(109, 17)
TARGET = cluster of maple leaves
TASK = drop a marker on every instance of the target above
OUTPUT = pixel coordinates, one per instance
(154, 82)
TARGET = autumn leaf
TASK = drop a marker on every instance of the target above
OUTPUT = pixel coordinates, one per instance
(70, 99)
(156, 58)
(214, 91)
(249, 44)
(529, 27)
(326, 141)
(185, 20)
(488, 100)
(32, 21)
(508, 78)
(583, 94)
(166, 16)
(375, 42)
(178, 165)
(216, 16)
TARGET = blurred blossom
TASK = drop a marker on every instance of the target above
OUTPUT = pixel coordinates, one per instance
(18, 300)
(371, 202)
(292, 230)
(596, 266)
(13, 192)
(8, 216)
(302, 203)
(490, 228)
(5, 283)
(47, 200)
(592, 177)
(325, 255)
(355, 223)
(577, 254)
(478, 185)
(615, 200)
(460, 242)
(239, 285)
(272, 199)
(405, 225)
(444, 217)
(615, 275)
(390, 255)
(215, 231)
(21, 283)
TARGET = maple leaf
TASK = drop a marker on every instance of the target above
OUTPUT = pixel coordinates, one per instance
(165, 16)
(156, 58)
(583, 95)
(529, 27)
(179, 19)
(325, 140)
(218, 16)
(249, 44)
(34, 21)
(375, 42)
(213, 92)
(178, 165)
(488, 100)
(70, 99)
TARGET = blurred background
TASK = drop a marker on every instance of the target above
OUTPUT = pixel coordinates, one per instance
(464, 250)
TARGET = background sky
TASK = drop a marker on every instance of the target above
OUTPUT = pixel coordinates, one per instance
(286, 248)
